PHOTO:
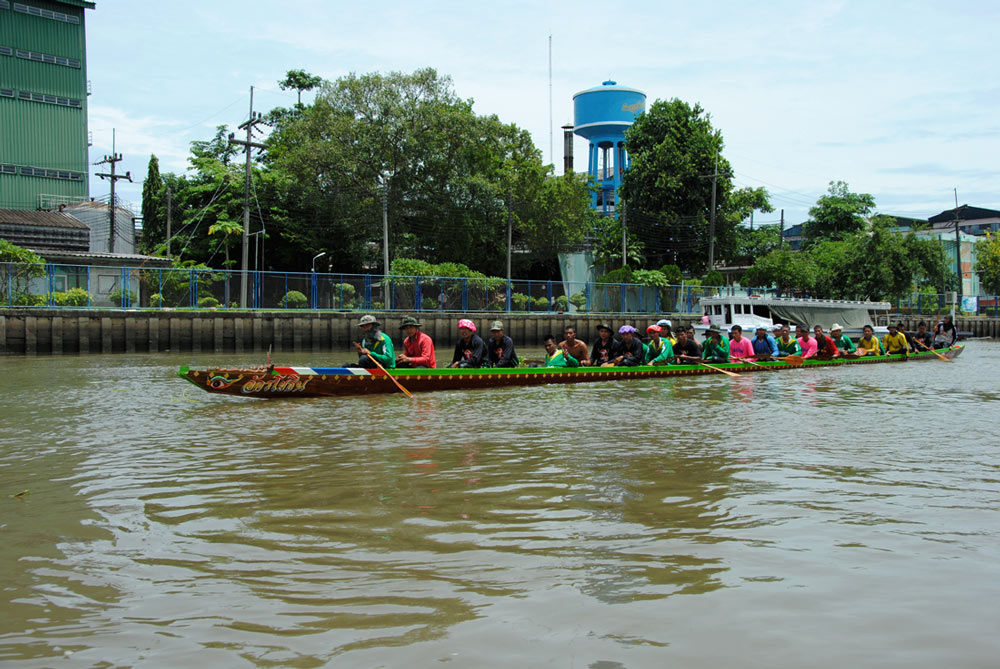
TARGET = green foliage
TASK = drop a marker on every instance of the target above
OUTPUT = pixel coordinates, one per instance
(988, 263)
(838, 214)
(650, 277)
(607, 244)
(877, 264)
(154, 220)
(520, 301)
(620, 275)
(672, 146)
(673, 274)
(752, 244)
(714, 278)
(13, 253)
(540, 304)
(27, 265)
(578, 300)
(156, 300)
(293, 299)
(122, 298)
(74, 297)
(562, 303)
(429, 304)
(207, 302)
(231, 231)
(25, 299)
(299, 80)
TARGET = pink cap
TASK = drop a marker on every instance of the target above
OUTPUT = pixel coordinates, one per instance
(466, 323)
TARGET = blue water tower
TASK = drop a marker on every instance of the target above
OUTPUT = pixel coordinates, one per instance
(601, 115)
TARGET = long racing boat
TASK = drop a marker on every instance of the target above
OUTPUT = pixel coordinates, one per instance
(269, 381)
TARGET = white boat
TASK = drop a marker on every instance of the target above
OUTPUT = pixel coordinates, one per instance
(752, 311)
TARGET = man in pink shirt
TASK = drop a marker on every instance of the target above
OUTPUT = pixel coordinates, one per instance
(418, 348)
(807, 343)
(739, 346)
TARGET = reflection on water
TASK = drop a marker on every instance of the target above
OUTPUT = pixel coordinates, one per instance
(807, 518)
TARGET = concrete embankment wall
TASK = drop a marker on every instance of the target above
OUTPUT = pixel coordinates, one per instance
(63, 331)
(59, 331)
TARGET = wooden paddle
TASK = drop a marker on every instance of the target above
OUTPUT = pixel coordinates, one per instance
(794, 360)
(391, 377)
(718, 369)
(925, 347)
(750, 362)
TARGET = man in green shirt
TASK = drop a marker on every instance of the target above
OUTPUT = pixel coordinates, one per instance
(556, 356)
(716, 347)
(787, 344)
(658, 351)
(374, 343)
(843, 342)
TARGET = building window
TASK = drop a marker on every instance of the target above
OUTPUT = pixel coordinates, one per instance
(49, 99)
(41, 172)
(39, 57)
(4, 4)
(45, 13)
(6, 92)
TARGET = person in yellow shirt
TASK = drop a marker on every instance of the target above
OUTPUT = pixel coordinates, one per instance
(869, 343)
(895, 342)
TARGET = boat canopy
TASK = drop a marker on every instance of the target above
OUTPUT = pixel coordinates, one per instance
(853, 315)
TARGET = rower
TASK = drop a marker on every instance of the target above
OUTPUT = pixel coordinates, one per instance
(787, 344)
(418, 348)
(470, 351)
(666, 331)
(692, 337)
(501, 348)
(659, 351)
(576, 347)
(739, 347)
(374, 343)
(842, 341)
(826, 349)
(895, 343)
(945, 333)
(869, 343)
(605, 348)
(687, 351)
(715, 348)
(922, 336)
(558, 356)
(631, 351)
(807, 343)
(764, 345)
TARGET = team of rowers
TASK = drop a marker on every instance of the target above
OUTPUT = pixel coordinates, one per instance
(664, 345)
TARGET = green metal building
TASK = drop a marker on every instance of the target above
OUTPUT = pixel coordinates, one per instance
(43, 103)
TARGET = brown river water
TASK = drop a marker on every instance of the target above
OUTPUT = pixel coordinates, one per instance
(810, 518)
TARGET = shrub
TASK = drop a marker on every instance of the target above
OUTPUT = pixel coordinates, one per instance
(121, 297)
(28, 300)
(562, 303)
(541, 303)
(343, 295)
(293, 299)
(650, 277)
(156, 300)
(520, 301)
(714, 278)
(207, 302)
(429, 304)
(74, 297)
(620, 275)
(673, 274)
(578, 300)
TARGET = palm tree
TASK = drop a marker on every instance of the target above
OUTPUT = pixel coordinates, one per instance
(229, 229)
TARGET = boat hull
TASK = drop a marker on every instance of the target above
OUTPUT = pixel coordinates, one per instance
(272, 382)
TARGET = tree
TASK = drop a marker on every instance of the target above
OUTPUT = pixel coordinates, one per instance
(838, 214)
(988, 263)
(607, 245)
(668, 190)
(229, 230)
(153, 212)
(788, 271)
(299, 80)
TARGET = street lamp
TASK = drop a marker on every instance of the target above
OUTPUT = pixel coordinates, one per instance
(315, 258)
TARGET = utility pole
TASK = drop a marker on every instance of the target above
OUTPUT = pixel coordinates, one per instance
(385, 225)
(958, 252)
(169, 201)
(751, 220)
(781, 230)
(249, 144)
(711, 223)
(112, 160)
(510, 229)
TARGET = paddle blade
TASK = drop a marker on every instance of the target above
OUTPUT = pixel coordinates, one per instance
(793, 359)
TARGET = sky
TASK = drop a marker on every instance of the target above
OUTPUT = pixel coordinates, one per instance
(899, 100)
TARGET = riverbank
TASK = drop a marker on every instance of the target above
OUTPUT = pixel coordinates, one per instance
(37, 331)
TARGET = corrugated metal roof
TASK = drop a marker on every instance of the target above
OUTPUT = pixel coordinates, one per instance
(86, 4)
(108, 259)
(51, 219)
